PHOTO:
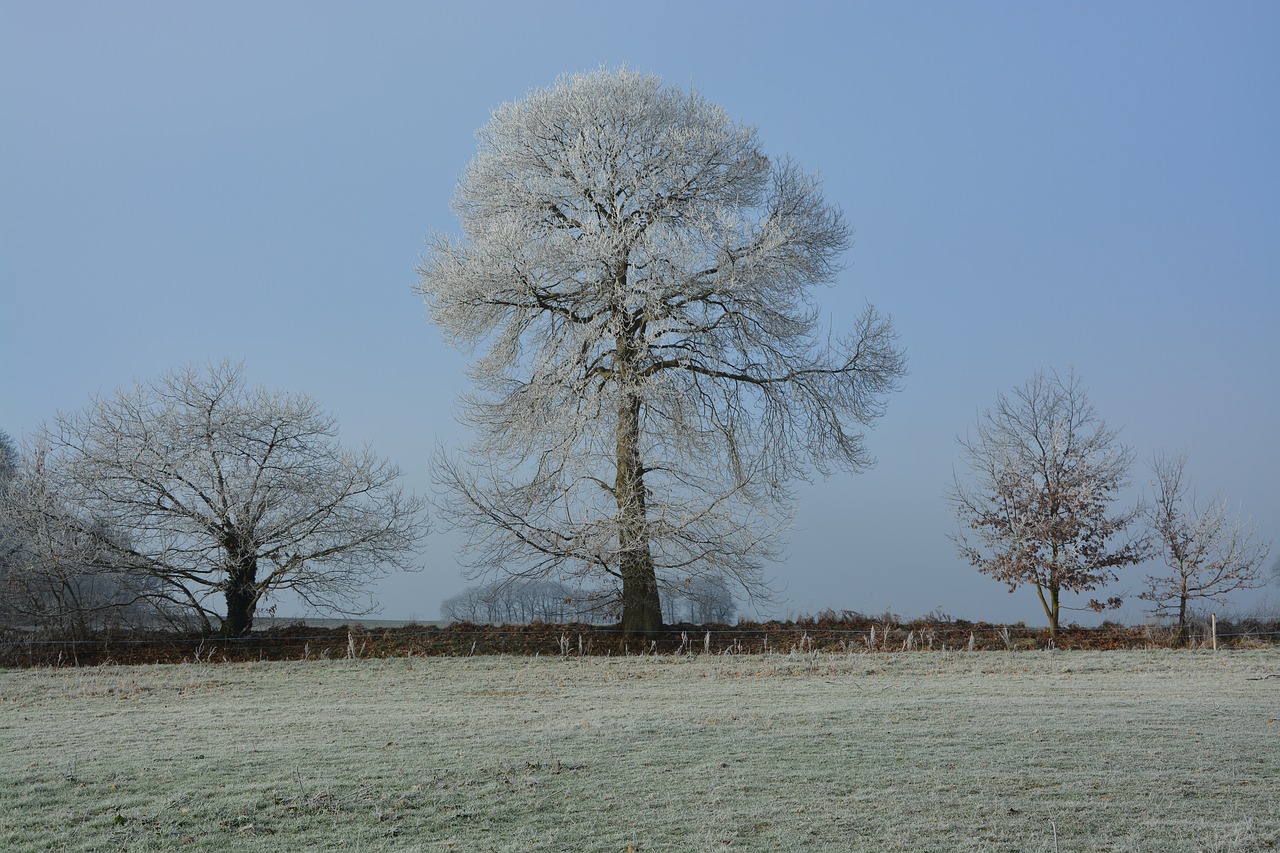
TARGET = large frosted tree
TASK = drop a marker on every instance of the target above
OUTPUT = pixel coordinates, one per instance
(636, 279)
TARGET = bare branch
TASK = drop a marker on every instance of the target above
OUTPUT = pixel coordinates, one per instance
(1208, 553)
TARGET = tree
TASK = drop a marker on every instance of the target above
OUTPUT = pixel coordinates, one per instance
(1045, 470)
(9, 458)
(638, 277)
(1209, 553)
(212, 488)
(10, 541)
(703, 601)
(48, 581)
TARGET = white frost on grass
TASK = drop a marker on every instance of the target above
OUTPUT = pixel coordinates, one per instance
(1121, 751)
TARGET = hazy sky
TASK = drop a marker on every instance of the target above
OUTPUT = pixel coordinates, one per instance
(1087, 185)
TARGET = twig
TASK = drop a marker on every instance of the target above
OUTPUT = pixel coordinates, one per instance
(1263, 677)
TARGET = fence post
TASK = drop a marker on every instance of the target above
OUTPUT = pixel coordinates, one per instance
(1213, 627)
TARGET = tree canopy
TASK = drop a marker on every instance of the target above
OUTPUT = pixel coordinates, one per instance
(637, 279)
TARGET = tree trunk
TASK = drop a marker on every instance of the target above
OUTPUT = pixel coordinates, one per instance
(1184, 635)
(1054, 592)
(1051, 607)
(1054, 585)
(242, 598)
(641, 607)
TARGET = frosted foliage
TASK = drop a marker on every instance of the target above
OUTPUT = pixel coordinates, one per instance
(634, 276)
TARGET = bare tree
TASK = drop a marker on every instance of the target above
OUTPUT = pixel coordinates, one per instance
(214, 489)
(10, 540)
(1208, 552)
(1044, 471)
(55, 577)
(639, 276)
(9, 458)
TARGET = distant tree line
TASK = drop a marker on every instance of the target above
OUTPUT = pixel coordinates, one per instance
(701, 601)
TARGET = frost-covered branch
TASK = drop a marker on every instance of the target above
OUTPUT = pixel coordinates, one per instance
(1208, 552)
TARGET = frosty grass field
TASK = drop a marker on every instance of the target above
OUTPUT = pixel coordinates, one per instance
(1031, 751)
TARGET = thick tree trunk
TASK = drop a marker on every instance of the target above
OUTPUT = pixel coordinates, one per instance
(242, 598)
(641, 610)
(641, 607)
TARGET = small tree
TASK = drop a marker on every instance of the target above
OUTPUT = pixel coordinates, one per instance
(1208, 552)
(211, 488)
(639, 277)
(1044, 471)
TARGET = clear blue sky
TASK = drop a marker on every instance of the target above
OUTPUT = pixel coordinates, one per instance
(1090, 185)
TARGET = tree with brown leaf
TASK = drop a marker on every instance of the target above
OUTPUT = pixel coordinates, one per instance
(1036, 509)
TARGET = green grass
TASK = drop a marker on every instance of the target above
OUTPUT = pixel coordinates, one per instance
(1123, 751)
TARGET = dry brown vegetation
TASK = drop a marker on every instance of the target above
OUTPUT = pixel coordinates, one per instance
(846, 632)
